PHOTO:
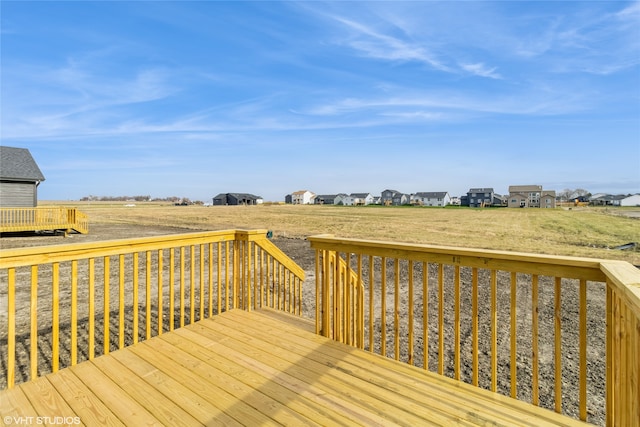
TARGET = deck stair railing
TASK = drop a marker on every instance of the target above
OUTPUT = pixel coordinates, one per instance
(346, 324)
(43, 219)
(60, 305)
(558, 332)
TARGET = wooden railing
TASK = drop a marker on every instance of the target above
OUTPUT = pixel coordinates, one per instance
(558, 332)
(60, 305)
(43, 219)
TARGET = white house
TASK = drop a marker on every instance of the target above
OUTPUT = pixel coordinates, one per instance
(434, 198)
(361, 199)
(608, 200)
(633, 200)
(302, 197)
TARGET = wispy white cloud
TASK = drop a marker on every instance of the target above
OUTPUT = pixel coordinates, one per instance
(416, 115)
(379, 45)
(591, 41)
(90, 88)
(77, 99)
(399, 106)
(458, 105)
(481, 70)
(396, 36)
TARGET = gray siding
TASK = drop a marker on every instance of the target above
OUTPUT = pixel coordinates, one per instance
(18, 194)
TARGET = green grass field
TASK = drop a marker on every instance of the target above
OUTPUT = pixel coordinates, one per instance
(588, 232)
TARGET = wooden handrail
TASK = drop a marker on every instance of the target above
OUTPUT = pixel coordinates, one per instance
(144, 286)
(417, 293)
(67, 252)
(259, 237)
(574, 267)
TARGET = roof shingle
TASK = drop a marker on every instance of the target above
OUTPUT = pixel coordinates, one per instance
(17, 164)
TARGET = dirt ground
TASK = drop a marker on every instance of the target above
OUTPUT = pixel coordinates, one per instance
(299, 250)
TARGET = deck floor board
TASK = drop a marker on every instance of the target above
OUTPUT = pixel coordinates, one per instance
(259, 368)
(88, 407)
(259, 380)
(400, 378)
(381, 404)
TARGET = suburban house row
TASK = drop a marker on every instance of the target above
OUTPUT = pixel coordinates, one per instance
(20, 178)
(387, 197)
(520, 196)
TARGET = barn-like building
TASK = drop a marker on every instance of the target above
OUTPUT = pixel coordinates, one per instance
(20, 177)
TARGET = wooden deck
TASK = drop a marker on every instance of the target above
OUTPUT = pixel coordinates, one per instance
(256, 368)
(43, 219)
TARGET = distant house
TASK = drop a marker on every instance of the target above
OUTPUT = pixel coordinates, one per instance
(20, 177)
(303, 197)
(608, 200)
(614, 200)
(632, 200)
(234, 199)
(530, 196)
(518, 201)
(362, 199)
(325, 199)
(548, 199)
(480, 197)
(579, 199)
(435, 198)
(394, 198)
(343, 200)
(601, 199)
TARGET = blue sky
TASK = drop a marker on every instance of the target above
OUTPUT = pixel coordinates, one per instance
(194, 98)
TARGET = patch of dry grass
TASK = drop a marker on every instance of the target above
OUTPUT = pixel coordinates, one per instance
(586, 232)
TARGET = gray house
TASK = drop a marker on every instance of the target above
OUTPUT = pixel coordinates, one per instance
(19, 178)
(480, 197)
(325, 199)
(235, 199)
(395, 198)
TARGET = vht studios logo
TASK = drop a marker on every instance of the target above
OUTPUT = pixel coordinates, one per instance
(29, 421)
